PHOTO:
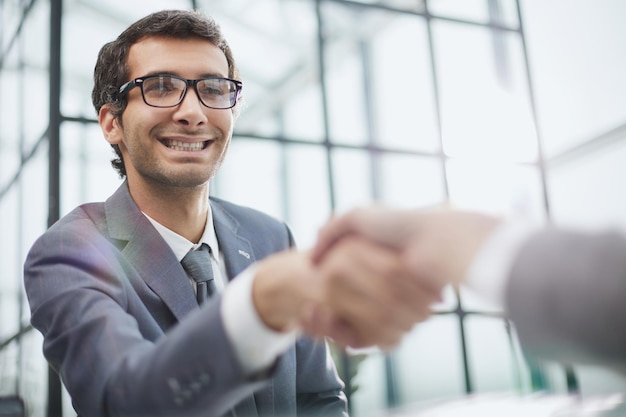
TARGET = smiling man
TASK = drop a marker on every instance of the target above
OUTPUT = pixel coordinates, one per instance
(132, 321)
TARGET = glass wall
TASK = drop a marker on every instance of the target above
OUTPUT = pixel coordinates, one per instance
(513, 107)
(24, 57)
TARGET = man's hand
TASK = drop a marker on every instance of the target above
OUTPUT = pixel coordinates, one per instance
(437, 246)
(367, 296)
(360, 294)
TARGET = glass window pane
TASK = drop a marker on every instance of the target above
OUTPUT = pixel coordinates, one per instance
(33, 382)
(475, 10)
(409, 5)
(24, 211)
(485, 11)
(475, 302)
(272, 41)
(34, 184)
(121, 11)
(24, 87)
(11, 265)
(275, 45)
(345, 73)
(10, 130)
(11, 14)
(586, 192)
(410, 181)
(347, 101)
(496, 187)
(302, 115)
(353, 182)
(507, 13)
(379, 85)
(485, 107)
(370, 383)
(77, 75)
(595, 381)
(307, 192)
(429, 361)
(252, 175)
(33, 40)
(494, 366)
(86, 171)
(403, 96)
(578, 73)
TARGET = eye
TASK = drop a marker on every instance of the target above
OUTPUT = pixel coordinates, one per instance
(161, 85)
(211, 88)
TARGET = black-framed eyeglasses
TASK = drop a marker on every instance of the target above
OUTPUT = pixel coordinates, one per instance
(167, 90)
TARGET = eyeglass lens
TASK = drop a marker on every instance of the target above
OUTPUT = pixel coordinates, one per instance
(166, 91)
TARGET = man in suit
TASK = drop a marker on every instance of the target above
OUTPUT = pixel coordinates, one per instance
(563, 289)
(118, 313)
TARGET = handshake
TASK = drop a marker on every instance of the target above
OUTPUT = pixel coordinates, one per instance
(373, 274)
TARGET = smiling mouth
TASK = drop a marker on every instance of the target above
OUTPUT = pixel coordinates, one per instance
(178, 145)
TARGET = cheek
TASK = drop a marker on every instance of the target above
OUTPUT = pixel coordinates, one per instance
(223, 120)
(138, 124)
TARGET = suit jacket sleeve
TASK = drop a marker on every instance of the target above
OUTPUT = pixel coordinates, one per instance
(567, 296)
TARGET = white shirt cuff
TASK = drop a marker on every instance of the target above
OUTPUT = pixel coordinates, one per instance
(488, 273)
(256, 345)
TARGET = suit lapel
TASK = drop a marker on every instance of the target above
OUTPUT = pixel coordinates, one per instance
(149, 253)
(237, 250)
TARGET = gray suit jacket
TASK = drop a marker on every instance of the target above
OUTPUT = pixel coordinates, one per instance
(122, 327)
(567, 296)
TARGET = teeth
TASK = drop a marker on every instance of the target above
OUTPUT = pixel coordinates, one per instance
(184, 146)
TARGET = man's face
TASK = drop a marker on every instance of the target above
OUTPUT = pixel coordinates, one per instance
(150, 137)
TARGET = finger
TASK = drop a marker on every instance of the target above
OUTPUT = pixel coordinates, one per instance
(375, 278)
(370, 291)
(319, 323)
(376, 223)
(329, 234)
(365, 337)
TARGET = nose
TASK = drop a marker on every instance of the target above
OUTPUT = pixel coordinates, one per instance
(190, 111)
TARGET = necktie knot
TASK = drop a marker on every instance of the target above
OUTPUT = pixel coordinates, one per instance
(197, 264)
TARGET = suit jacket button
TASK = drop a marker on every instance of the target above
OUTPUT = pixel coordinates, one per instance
(204, 378)
(195, 386)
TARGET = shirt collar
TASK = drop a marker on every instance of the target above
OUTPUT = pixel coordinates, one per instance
(180, 245)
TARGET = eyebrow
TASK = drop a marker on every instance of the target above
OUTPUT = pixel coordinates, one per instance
(204, 75)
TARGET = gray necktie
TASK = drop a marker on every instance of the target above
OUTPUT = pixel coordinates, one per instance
(197, 264)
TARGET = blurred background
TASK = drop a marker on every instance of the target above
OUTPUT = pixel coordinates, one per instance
(516, 107)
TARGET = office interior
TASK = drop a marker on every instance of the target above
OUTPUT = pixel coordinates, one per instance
(513, 107)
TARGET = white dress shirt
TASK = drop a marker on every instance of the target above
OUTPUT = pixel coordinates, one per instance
(256, 345)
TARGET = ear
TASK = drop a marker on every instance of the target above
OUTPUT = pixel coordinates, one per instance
(110, 125)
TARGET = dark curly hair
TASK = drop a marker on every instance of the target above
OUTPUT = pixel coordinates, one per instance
(111, 70)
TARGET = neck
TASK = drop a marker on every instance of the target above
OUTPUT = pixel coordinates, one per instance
(180, 209)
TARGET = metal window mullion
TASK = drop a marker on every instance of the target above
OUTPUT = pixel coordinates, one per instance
(321, 45)
(55, 401)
